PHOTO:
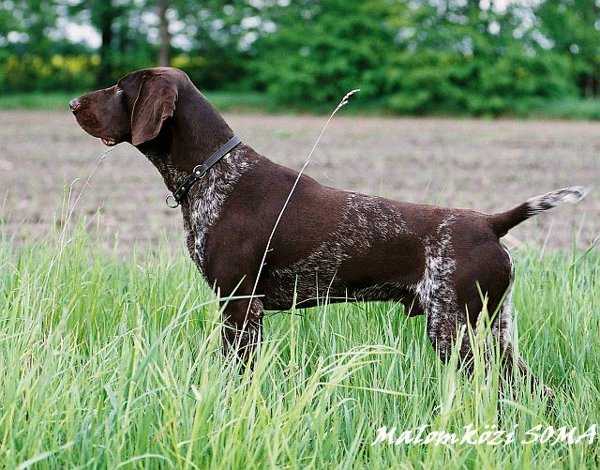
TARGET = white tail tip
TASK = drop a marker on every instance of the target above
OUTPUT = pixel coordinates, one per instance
(571, 194)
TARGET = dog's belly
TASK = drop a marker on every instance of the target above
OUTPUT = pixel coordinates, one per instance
(288, 289)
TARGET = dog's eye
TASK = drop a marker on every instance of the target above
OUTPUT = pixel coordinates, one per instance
(119, 92)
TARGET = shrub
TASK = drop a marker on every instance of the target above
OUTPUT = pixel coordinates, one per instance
(31, 72)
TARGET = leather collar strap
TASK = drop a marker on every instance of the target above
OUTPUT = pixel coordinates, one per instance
(173, 200)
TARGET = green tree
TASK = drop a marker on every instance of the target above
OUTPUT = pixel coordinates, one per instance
(31, 41)
(164, 54)
(321, 49)
(220, 37)
(32, 20)
(460, 57)
(124, 43)
(573, 27)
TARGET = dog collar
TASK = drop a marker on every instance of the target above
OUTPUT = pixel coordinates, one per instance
(174, 200)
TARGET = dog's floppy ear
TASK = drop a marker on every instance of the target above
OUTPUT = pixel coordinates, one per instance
(154, 104)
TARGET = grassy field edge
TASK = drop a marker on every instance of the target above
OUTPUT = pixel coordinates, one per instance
(569, 109)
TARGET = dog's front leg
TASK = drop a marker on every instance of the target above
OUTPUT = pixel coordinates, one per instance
(242, 329)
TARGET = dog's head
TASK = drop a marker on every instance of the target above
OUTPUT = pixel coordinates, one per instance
(134, 110)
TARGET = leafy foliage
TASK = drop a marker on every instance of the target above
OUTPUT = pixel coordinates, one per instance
(323, 49)
(574, 28)
(461, 59)
(423, 56)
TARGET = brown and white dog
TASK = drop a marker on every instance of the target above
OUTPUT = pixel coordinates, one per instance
(330, 243)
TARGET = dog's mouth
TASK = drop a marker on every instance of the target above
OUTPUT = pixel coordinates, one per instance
(108, 141)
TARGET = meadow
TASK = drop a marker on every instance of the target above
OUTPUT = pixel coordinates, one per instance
(110, 344)
(112, 361)
(110, 340)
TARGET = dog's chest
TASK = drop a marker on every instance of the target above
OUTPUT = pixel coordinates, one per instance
(207, 198)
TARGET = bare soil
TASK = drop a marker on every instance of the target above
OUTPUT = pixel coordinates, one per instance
(484, 165)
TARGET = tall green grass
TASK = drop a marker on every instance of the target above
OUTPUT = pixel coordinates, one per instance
(108, 362)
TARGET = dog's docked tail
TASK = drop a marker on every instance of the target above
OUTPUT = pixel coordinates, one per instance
(503, 222)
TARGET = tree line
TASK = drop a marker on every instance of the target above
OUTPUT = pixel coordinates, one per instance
(408, 56)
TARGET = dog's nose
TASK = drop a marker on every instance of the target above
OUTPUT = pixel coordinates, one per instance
(74, 104)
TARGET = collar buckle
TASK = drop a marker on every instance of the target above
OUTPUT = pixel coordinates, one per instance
(199, 171)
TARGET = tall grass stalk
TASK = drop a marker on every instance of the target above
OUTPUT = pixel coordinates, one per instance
(343, 102)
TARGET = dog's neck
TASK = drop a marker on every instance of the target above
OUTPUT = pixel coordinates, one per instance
(194, 133)
(197, 130)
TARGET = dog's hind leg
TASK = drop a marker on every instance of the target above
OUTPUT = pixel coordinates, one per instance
(437, 296)
(503, 331)
(445, 324)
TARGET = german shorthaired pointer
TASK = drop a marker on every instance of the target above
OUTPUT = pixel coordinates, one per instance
(330, 243)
